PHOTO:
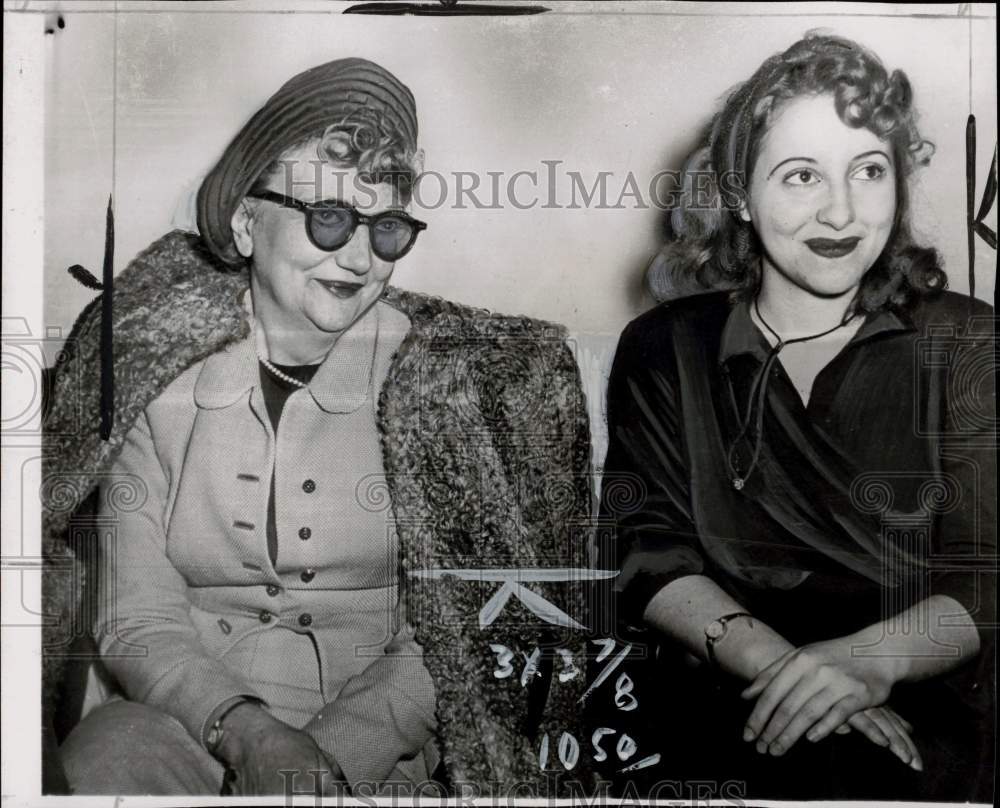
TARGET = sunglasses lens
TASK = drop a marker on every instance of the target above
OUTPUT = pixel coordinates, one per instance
(392, 236)
(331, 227)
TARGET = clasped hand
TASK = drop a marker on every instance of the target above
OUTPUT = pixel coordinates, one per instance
(265, 756)
(823, 688)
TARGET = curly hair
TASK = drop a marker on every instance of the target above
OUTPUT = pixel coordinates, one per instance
(711, 247)
(364, 140)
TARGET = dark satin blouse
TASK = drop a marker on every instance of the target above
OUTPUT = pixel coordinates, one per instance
(877, 494)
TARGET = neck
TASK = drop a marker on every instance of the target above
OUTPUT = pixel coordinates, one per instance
(794, 312)
(291, 344)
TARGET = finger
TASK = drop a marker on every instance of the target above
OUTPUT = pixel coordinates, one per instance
(801, 694)
(902, 721)
(900, 748)
(805, 717)
(843, 729)
(772, 695)
(244, 782)
(836, 716)
(916, 762)
(229, 784)
(763, 679)
(868, 728)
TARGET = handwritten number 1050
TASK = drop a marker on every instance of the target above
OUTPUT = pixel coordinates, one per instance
(568, 750)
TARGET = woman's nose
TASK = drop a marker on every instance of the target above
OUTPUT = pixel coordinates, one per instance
(356, 255)
(838, 210)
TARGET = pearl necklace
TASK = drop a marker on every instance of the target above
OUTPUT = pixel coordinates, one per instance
(283, 376)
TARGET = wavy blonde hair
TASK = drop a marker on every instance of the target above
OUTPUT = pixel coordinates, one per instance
(710, 247)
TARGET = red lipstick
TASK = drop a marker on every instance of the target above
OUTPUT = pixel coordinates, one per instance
(832, 247)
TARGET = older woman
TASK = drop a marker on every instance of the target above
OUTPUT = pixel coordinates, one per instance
(812, 554)
(271, 389)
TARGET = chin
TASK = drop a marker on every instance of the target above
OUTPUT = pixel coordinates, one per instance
(825, 280)
(339, 315)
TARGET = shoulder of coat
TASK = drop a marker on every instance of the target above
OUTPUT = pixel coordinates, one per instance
(444, 316)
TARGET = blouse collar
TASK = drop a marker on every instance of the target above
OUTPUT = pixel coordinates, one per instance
(741, 335)
(341, 384)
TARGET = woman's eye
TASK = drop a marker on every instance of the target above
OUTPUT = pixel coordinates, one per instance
(869, 171)
(389, 225)
(802, 176)
(329, 217)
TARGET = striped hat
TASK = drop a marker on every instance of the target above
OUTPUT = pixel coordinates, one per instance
(304, 107)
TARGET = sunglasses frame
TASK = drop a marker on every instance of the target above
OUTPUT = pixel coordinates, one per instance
(357, 218)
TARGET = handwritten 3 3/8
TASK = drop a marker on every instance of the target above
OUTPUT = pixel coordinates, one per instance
(624, 698)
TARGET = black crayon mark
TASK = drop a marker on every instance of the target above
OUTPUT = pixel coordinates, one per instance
(60, 24)
(970, 198)
(445, 9)
(986, 205)
(107, 344)
(975, 221)
(989, 197)
(85, 277)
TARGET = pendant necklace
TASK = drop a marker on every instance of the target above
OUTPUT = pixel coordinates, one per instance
(758, 394)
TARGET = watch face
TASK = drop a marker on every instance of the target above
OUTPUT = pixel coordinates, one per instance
(715, 630)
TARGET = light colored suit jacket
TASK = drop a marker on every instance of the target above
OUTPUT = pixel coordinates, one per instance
(195, 586)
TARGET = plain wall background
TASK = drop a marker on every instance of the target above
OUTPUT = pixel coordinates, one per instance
(142, 103)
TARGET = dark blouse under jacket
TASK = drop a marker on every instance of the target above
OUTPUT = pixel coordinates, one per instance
(877, 494)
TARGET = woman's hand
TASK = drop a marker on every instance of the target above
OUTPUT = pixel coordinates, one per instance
(818, 688)
(257, 748)
(885, 727)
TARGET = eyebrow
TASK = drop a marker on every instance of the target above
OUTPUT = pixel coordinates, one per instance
(810, 160)
(870, 153)
(344, 204)
(791, 160)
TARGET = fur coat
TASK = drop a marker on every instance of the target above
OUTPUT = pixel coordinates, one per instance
(486, 449)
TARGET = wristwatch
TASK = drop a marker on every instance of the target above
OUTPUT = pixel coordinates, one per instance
(717, 629)
(215, 733)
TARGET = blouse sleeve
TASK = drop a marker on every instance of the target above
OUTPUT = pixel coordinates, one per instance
(382, 716)
(650, 536)
(964, 561)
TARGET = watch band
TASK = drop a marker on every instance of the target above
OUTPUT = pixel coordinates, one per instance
(215, 733)
(717, 629)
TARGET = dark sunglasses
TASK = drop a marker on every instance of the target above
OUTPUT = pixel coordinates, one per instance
(330, 224)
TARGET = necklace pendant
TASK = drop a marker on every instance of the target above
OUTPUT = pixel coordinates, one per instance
(738, 483)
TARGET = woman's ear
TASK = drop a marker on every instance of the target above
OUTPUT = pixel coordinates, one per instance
(242, 227)
(744, 211)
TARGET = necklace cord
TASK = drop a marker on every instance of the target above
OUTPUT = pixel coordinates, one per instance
(757, 399)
